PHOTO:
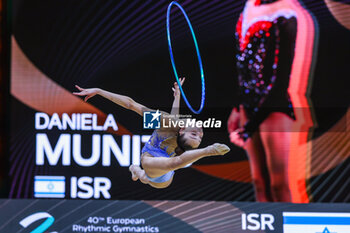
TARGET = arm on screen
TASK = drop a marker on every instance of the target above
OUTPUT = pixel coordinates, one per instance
(121, 100)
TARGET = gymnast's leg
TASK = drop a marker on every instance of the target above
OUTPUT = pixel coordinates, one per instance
(158, 166)
(138, 173)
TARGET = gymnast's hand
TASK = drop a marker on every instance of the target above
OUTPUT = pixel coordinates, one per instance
(176, 88)
(218, 149)
(88, 93)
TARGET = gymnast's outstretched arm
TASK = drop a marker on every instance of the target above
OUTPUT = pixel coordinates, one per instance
(176, 104)
(121, 100)
(126, 101)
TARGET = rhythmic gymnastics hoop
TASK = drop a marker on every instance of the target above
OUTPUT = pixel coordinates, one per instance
(172, 57)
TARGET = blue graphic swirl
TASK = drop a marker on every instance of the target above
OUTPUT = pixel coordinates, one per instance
(44, 226)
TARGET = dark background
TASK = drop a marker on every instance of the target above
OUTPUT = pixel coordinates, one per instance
(121, 46)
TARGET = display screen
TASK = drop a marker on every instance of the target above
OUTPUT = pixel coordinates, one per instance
(284, 69)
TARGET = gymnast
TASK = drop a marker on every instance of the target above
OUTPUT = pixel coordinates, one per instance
(168, 149)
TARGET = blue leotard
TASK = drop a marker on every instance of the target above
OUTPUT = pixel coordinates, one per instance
(154, 148)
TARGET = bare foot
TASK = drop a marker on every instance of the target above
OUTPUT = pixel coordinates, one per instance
(132, 169)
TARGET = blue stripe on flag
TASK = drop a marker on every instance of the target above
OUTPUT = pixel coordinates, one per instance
(36, 179)
(48, 193)
(316, 220)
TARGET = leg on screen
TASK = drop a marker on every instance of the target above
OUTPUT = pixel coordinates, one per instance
(276, 135)
(258, 166)
(257, 163)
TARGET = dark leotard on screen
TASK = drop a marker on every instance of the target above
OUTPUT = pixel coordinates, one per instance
(265, 51)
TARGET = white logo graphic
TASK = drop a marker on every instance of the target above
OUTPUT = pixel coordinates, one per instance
(296, 222)
(35, 217)
(151, 120)
(49, 186)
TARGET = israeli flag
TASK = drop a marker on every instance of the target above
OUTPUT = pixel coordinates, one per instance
(297, 222)
(49, 186)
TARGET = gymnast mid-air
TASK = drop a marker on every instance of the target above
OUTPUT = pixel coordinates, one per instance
(168, 149)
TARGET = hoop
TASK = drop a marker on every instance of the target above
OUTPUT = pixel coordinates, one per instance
(198, 56)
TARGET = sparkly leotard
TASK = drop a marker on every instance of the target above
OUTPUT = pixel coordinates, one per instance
(157, 148)
(265, 51)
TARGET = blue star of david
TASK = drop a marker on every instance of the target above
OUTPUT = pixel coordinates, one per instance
(326, 231)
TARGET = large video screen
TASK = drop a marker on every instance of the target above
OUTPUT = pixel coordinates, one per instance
(269, 79)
